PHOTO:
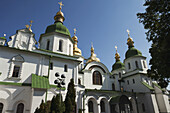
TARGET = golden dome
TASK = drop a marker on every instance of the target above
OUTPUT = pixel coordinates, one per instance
(117, 56)
(59, 17)
(130, 42)
(93, 56)
(76, 50)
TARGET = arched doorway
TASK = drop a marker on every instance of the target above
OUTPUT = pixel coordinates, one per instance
(114, 104)
(92, 105)
(125, 105)
(1, 107)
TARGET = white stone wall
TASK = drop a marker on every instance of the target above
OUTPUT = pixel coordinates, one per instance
(11, 96)
(67, 45)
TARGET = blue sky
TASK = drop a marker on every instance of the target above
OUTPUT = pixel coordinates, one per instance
(102, 22)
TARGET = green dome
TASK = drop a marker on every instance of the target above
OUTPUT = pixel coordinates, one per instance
(132, 51)
(118, 65)
(57, 27)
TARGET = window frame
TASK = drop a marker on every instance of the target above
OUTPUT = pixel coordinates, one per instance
(102, 106)
(60, 45)
(22, 105)
(48, 45)
(16, 72)
(97, 78)
(136, 64)
(65, 68)
(129, 66)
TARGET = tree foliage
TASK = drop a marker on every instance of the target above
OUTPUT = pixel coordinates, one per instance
(44, 107)
(156, 21)
(57, 104)
(70, 98)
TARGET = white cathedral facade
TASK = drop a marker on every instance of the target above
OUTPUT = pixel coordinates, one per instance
(27, 75)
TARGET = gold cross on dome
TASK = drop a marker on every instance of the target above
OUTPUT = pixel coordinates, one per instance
(74, 31)
(128, 32)
(116, 48)
(27, 26)
(61, 4)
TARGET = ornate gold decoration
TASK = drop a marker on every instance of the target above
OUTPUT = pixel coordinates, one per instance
(117, 57)
(93, 56)
(29, 26)
(76, 50)
(59, 17)
(130, 42)
(61, 4)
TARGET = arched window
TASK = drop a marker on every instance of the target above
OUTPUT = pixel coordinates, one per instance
(20, 108)
(65, 68)
(97, 78)
(16, 71)
(90, 106)
(60, 45)
(102, 106)
(119, 75)
(129, 65)
(136, 62)
(1, 107)
(134, 81)
(113, 86)
(48, 45)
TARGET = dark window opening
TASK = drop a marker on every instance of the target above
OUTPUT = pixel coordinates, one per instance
(51, 66)
(119, 75)
(97, 78)
(128, 82)
(113, 87)
(90, 106)
(129, 65)
(132, 90)
(143, 107)
(20, 108)
(134, 81)
(144, 65)
(79, 81)
(136, 62)
(60, 45)
(65, 68)
(48, 45)
(102, 106)
(16, 71)
(1, 107)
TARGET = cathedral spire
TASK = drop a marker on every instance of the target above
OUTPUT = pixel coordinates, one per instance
(130, 42)
(59, 17)
(76, 50)
(117, 57)
(93, 56)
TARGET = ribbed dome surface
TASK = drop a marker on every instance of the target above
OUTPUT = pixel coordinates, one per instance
(57, 27)
(132, 51)
(118, 65)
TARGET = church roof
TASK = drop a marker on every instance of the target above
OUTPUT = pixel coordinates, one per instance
(58, 27)
(132, 51)
(40, 82)
(118, 65)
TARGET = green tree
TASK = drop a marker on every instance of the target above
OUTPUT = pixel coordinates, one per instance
(57, 104)
(156, 21)
(70, 103)
(44, 107)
